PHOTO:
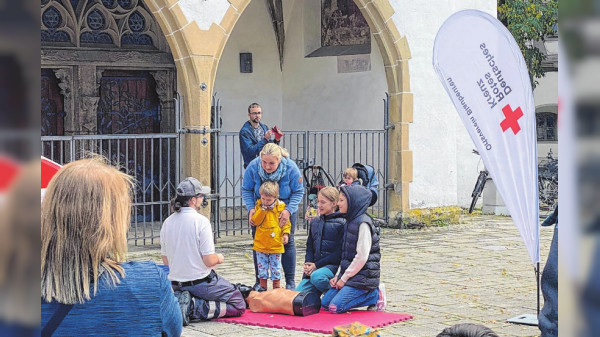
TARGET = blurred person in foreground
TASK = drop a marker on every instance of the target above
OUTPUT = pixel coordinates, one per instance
(548, 316)
(579, 134)
(87, 287)
(19, 242)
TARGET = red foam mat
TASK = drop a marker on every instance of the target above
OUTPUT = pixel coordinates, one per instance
(323, 322)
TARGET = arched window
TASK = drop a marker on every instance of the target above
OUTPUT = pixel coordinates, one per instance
(546, 126)
(117, 24)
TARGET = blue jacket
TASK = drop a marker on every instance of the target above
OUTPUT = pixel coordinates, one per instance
(249, 145)
(324, 243)
(291, 189)
(142, 304)
(367, 278)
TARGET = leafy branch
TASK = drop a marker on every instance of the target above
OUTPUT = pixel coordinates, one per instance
(529, 21)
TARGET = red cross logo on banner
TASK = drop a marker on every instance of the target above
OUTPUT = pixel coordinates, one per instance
(511, 119)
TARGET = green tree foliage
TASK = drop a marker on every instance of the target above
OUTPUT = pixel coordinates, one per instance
(528, 21)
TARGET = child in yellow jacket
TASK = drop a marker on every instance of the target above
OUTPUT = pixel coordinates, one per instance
(269, 238)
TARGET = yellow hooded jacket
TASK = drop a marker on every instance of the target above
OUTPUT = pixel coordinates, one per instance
(269, 236)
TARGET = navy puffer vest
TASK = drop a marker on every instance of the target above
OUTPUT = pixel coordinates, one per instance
(358, 200)
(324, 244)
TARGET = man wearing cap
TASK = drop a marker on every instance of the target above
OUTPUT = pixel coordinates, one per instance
(254, 134)
(187, 247)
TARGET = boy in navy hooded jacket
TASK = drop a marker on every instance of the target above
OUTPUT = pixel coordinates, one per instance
(357, 283)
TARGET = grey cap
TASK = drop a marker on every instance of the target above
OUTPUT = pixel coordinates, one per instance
(191, 187)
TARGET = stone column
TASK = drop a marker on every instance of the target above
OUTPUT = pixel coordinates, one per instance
(164, 90)
(87, 104)
(396, 53)
(65, 83)
(400, 156)
(196, 52)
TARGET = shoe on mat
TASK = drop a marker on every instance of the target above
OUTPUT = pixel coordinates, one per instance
(382, 301)
(244, 289)
(184, 299)
(256, 286)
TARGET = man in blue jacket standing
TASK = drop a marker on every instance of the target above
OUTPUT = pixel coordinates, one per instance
(254, 134)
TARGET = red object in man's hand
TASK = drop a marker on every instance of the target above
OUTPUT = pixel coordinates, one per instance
(278, 134)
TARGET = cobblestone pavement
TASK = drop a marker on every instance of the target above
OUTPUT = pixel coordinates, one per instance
(477, 272)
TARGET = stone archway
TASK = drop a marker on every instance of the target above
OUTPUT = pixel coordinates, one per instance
(197, 33)
(396, 53)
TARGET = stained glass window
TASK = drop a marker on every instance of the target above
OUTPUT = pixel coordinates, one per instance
(136, 22)
(136, 39)
(124, 3)
(94, 37)
(109, 3)
(55, 36)
(134, 28)
(51, 18)
(95, 20)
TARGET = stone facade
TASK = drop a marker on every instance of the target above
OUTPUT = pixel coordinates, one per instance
(194, 35)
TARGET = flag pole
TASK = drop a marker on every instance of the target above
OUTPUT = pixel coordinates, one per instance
(537, 277)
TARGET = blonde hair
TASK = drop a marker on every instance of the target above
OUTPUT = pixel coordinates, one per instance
(330, 193)
(85, 217)
(351, 173)
(269, 188)
(273, 149)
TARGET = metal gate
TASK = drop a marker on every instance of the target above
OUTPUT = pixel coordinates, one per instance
(154, 161)
(129, 119)
(332, 150)
(148, 158)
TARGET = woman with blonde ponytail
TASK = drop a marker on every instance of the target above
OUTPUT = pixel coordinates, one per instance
(273, 164)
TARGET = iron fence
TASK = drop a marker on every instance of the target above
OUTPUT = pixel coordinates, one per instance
(151, 159)
(334, 151)
(154, 161)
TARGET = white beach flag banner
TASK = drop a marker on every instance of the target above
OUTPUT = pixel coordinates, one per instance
(484, 73)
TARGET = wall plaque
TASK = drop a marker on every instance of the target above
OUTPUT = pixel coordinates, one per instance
(353, 63)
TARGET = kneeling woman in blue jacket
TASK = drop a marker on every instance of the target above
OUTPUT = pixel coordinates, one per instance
(324, 243)
(357, 283)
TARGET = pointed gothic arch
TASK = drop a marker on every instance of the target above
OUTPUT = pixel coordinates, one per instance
(197, 51)
(98, 26)
(58, 24)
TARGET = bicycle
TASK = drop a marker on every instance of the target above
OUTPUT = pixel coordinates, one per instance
(479, 185)
(548, 181)
(316, 178)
